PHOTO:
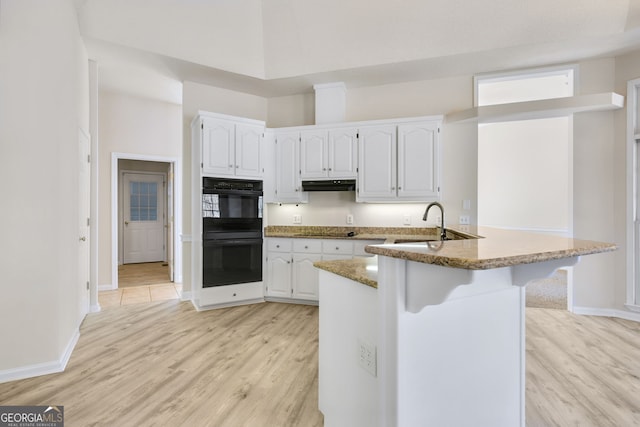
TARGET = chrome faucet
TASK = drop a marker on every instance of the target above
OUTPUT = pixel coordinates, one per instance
(443, 233)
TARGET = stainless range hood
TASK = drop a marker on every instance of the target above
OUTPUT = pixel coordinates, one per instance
(329, 185)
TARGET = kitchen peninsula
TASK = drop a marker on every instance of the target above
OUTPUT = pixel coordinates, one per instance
(432, 333)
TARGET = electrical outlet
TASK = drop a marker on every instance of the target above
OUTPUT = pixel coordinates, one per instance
(406, 219)
(297, 219)
(466, 204)
(464, 220)
(349, 219)
(367, 357)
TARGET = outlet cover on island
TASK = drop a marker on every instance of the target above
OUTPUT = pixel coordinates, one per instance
(349, 219)
(297, 219)
(464, 220)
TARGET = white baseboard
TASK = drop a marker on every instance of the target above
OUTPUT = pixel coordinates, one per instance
(607, 312)
(185, 295)
(41, 368)
(95, 308)
(108, 287)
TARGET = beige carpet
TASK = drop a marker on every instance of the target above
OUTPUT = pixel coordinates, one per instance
(548, 293)
(143, 274)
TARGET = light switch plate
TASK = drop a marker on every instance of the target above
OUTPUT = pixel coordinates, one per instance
(297, 219)
(349, 219)
(406, 219)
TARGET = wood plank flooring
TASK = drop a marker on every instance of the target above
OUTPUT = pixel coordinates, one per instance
(163, 363)
(146, 273)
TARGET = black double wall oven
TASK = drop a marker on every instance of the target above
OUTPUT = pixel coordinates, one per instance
(231, 231)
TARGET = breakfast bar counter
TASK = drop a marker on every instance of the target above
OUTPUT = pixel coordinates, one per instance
(432, 333)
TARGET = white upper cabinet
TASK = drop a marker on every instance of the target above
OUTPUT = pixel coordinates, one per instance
(377, 163)
(218, 142)
(313, 154)
(402, 169)
(328, 153)
(418, 155)
(288, 182)
(230, 148)
(249, 150)
(343, 152)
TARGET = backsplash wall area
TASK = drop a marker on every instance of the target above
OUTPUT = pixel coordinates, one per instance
(332, 207)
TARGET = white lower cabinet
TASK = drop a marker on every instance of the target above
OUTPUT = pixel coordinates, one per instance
(290, 271)
(305, 276)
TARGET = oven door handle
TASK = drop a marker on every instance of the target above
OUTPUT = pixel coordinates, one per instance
(254, 193)
(231, 242)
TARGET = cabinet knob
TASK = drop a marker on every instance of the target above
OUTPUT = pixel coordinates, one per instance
(324, 169)
(277, 246)
(230, 166)
(330, 169)
(237, 166)
(399, 188)
(393, 188)
(337, 248)
(288, 262)
(306, 247)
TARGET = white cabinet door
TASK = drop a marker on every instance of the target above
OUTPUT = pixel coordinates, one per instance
(343, 153)
(288, 186)
(248, 149)
(305, 276)
(279, 275)
(313, 154)
(377, 163)
(418, 161)
(218, 154)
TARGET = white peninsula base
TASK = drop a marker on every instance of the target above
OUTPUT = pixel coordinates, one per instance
(431, 346)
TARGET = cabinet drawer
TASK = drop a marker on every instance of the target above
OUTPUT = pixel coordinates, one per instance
(279, 245)
(307, 246)
(358, 246)
(342, 247)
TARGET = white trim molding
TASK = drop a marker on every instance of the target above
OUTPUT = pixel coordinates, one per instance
(177, 214)
(607, 312)
(45, 368)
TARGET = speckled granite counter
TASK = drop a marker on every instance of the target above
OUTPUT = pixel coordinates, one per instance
(388, 234)
(360, 269)
(498, 248)
(491, 248)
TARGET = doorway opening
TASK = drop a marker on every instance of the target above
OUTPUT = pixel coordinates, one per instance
(525, 169)
(145, 222)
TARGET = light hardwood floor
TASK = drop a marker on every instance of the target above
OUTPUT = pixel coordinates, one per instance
(145, 273)
(161, 364)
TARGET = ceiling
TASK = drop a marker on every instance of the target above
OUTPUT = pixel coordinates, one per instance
(282, 47)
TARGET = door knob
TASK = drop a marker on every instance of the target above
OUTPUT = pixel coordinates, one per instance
(126, 223)
(83, 239)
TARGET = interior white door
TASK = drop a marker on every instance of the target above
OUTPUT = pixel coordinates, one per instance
(84, 185)
(170, 222)
(143, 216)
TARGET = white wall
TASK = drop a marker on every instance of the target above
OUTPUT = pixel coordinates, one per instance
(524, 175)
(594, 180)
(231, 30)
(627, 68)
(136, 126)
(44, 99)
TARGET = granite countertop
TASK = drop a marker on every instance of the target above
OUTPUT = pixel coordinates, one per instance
(484, 248)
(388, 234)
(360, 269)
(497, 248)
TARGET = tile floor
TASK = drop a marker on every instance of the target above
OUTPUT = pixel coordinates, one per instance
(139, 294)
